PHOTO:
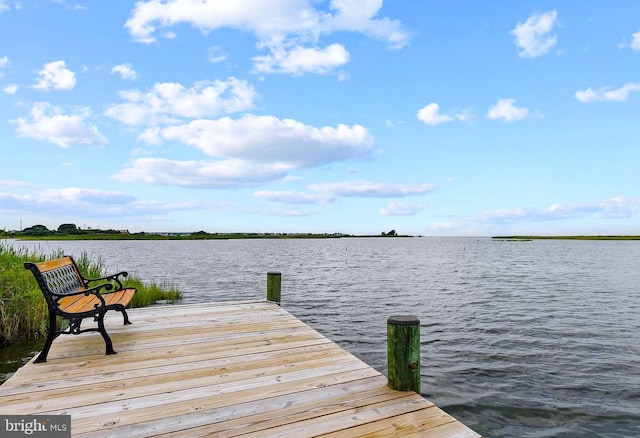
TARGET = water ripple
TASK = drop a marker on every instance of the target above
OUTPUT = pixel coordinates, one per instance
(526, 339)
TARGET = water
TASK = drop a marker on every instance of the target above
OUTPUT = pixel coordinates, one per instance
(519, 339)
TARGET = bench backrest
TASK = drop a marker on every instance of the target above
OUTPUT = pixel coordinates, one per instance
(60, 276)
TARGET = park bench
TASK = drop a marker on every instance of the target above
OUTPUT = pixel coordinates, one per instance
(73, 297)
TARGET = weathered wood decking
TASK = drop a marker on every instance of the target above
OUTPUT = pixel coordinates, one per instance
(245, 369)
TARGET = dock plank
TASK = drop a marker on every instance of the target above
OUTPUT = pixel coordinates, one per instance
(227, 369)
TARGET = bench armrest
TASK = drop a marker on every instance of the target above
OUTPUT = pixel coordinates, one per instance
(114, 277)
(91, 291)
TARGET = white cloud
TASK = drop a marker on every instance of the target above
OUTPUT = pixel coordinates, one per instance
(248, 151)
(393, 124)
(212, 174)
(80, 195)
(272, 140)
(74, 6)
(253, 149)
(635, 41)
(10, 89)
(534, 37)
(165, 101)
(125, 71)
(401, 209)
(289, 197)
(301, 60)
(430, 114)
(215, 55)
(55, 75)
(342, 76)
(289, 29)
(358, 15)
(48, 123)
(370, 189)
(617, 207)
(151, 136)
(4, 62)
(87, 203)
(268, 18)
(285, 213)
(4, 6)
(607, 94)
(9, 183)
(330, 192)
(505, 109)
(446, 226)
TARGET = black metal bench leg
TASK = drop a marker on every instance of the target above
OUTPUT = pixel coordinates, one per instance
(126, 317)
(42, 357)
(51, 336)
(103, 331)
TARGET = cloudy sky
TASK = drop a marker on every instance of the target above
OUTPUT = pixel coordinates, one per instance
(352, 116)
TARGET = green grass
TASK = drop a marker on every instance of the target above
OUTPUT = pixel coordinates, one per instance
(150, 294)
(23, 311)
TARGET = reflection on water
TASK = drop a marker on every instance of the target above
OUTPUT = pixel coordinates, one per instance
(528, 339)
(16, 355)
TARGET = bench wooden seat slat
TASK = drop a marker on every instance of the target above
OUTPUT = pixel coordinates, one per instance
(73, 297)
(83, 303)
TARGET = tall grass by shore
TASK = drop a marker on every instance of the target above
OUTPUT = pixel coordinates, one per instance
(23, 311)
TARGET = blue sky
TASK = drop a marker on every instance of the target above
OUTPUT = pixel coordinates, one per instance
(352, 116)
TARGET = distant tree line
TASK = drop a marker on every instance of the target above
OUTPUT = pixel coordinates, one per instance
(63, 229)
(73, 232)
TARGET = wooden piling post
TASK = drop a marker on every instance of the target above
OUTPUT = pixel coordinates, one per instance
(274, 283)
(403, 353)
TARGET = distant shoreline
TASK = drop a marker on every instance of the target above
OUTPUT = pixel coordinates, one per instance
(566, 238)
(170, 236)
(232, 236)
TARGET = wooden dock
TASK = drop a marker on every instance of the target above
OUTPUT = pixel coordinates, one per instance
(246, 369)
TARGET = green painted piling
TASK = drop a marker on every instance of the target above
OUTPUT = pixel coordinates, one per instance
(403, 353)
(274, 283)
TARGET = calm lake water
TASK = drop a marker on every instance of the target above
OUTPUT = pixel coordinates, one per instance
(519, 339)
